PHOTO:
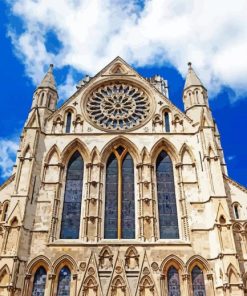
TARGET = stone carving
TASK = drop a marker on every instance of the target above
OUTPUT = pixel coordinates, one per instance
(155, 266)
(118, 106)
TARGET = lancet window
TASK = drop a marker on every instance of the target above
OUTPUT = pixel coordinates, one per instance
(71, 216)
(173, 282)
(119, 196)
(167, 208)
(39, 282)
(64, 279)
(167, 122)
(68, 123)
(198, 284)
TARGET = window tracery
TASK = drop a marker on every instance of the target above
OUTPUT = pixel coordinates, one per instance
(118, 106)
(39, 282)
(119, 199)
(167, 208)
(71, 216)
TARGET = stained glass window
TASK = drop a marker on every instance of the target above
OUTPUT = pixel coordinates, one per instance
(111, 198)
(198, 282)
(63, 287)
(168, 221)
(71, 216)
(119, 168)
(39, 282)
(68, 123)
(167, 122)
(128, 198)
(173, 282)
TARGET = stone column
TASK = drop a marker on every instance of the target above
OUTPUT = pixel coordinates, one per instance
(182, 202)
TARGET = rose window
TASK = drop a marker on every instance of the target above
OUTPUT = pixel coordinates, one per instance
(118, 106)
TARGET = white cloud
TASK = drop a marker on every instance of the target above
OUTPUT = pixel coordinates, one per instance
(212, 34)
(231, 157)
(8, 150)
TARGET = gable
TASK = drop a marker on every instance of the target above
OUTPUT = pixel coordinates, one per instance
(119, 76)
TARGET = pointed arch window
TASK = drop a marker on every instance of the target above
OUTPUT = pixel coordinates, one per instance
(64, 279)
(119, 197)
(173, 282)
(39, 282)
(236, 210)
(68, 123)
(198, 284)
(167, 208)
(5, 210)
(71, 215)
(167, 122)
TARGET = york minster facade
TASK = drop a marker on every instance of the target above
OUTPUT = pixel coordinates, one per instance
(119, 193)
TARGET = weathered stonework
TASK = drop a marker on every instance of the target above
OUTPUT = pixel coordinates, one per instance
(211, 208)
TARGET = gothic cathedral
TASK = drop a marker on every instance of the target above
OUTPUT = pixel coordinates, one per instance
(118, 192)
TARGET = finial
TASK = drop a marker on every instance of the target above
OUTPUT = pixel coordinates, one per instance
(190, 65)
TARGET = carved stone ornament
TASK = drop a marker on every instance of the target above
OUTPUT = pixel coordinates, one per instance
(91, 271)
(119, 269)
(118, 106)
(155, 266)
(83, 266)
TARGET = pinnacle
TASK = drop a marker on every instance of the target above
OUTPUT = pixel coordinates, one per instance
(192, 79)
(48, 80)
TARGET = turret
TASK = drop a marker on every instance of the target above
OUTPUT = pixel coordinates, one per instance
(195, 96)
(45, 96)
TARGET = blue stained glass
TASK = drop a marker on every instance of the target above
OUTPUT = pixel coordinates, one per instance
(198, 282)
(111, 198)
(71, 216)
(63, 287)
(128, 199)
(173, 282)
(168, 221)
(39, 282)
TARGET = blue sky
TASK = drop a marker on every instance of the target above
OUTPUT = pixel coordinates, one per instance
(155, 37)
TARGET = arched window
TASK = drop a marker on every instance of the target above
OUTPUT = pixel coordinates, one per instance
(71, 216)
(167, 122)
(120, 197)
(198, 284)
(173, 282)
(236, 211)
(68, 123)
(167, 208)
(39, 282)
(64, 278)
(5, 210)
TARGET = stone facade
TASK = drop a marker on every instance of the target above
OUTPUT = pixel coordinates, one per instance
(118, 111)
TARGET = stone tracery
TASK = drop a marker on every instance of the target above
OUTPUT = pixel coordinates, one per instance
(118, 106)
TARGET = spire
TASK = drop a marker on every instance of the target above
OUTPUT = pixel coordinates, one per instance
(48, 80)
(191, 78)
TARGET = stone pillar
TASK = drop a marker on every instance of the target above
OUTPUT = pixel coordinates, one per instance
(182, 202)
(146, 212)
(93, 202)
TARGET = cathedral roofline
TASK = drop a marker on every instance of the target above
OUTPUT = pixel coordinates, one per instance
(7, 182)
(235, 183)
(121, 60)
